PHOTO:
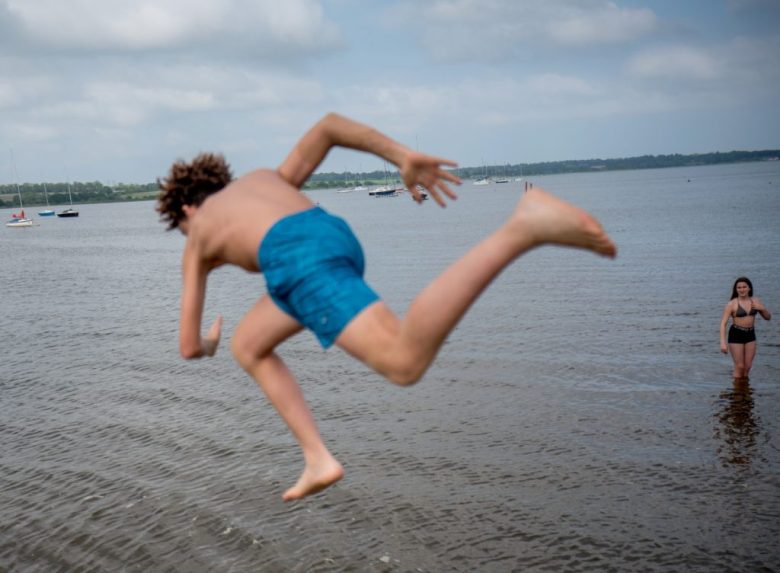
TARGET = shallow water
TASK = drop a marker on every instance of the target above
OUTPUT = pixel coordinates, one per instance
(580, 418)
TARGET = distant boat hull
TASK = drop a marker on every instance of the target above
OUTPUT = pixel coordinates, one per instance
(68, 213)
(385, 191)
(46, 213)
(19, 223)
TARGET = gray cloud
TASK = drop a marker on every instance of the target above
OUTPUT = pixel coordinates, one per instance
(264, 28)
(460, 30)
(117, 89)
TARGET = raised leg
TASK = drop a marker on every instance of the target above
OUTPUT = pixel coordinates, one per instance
(261, 330)
(403, 349)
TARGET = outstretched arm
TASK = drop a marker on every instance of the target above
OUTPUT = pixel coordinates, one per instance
(336, 130)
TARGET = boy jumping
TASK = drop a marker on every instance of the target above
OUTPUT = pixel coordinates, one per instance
(313, 267)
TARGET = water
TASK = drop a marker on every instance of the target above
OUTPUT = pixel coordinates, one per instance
(580, 418)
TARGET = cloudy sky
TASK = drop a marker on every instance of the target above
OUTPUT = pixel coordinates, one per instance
(115, 90)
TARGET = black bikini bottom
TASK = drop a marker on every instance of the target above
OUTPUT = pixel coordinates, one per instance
(741, 335)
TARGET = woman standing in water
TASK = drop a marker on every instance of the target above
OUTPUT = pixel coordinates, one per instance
(742, 308)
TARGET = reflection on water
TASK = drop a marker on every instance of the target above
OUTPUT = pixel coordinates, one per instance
(739, 426)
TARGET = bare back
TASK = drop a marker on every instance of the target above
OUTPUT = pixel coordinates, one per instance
(231, 224)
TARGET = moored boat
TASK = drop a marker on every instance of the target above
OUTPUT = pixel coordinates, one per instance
(69, 212)
(19, 222)
(385, 191)
(47, 212)
(18, 219)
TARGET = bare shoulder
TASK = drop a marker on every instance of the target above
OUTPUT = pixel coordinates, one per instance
(266, 175)
(197, 243)
(266, 188)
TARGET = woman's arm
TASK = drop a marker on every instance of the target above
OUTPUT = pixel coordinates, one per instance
(762, 310)
(336, 130)
(724, 320)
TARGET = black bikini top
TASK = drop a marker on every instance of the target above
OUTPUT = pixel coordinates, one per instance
(741, 311)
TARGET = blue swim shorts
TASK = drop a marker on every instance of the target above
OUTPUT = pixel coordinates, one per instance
(313, 266)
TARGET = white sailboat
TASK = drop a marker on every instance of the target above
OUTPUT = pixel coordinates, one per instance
(18, 219)
(521, 174)
(484, 180)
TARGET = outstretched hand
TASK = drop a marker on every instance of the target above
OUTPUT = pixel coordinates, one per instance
(211, 340)
(426, 171)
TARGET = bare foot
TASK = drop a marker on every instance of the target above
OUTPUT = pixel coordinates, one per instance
(553, 221)
(315, 477)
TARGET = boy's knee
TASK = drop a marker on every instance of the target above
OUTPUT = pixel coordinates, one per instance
(406, 371)
(403, 378)
(241, 351)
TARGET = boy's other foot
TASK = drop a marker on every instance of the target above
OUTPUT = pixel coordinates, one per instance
(553, 221)
(315, 477)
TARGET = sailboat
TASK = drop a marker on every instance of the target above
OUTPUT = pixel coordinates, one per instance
(521, 174)
(70, 211)
(346, 188)
(47, 212)
(18, 219)
(358, 185)
(386, 190)
(484, 180)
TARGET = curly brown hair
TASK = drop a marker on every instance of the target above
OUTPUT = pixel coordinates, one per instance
(190, 184)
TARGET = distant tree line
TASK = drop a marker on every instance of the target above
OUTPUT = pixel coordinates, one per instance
(95, 192)
(349, 179)
(320, 180)
(35, 194)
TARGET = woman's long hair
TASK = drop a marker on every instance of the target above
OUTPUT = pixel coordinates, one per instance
(742, 280)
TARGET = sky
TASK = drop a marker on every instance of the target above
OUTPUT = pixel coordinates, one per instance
(116, 90)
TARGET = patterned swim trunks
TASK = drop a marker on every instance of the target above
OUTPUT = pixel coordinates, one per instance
(313, 266)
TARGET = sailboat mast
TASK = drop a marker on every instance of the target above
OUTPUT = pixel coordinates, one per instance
(16, 180)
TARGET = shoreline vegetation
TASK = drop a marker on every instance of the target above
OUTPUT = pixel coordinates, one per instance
(95, 192)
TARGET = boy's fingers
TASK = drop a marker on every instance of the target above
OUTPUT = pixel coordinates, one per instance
(451, 177)
(447, 191)
(216, 327)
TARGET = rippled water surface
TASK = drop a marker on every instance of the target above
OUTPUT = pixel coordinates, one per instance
(580, 418)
